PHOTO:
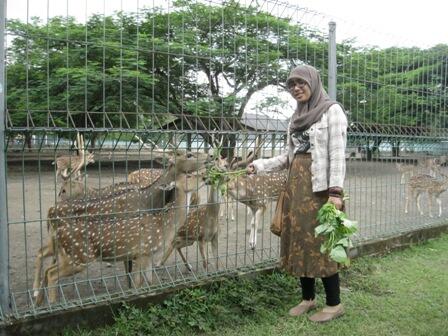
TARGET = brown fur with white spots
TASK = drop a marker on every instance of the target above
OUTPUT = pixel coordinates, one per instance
(78, 188)
(202, 226)
(140, 238)
(256, 191)
(431, 166)
(121, 203)
(144, 177)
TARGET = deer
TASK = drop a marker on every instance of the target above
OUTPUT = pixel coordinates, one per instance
(430, 165)
(234, 164)
(201, 224)
(140, 237)
(424, 183)
(77, 187)
(256, 191)
(144, 176)
(120, 203)
(72, 165)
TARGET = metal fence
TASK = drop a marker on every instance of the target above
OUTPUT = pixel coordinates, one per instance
(141, 80)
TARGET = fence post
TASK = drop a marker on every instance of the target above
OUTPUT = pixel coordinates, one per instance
(332, 60)
(4, 241)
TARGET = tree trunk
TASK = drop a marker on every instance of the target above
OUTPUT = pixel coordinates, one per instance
(28, 138)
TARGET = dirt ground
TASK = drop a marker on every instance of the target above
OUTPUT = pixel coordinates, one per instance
(376, 202)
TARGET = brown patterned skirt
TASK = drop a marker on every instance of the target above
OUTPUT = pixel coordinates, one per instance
(299, 249)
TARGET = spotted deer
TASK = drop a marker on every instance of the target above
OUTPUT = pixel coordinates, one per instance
(78, 187)
(256, 191)
(122, 203)
(424, 183)
(140, 237)
(144, 176)
(72, 164)
(233, 166)
(431, 166)
(201, 225)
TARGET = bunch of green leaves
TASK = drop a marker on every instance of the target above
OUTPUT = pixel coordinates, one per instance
(337, 230)
(217, 176)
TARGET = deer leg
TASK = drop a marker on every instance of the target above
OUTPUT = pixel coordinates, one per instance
(430, 205)
(187, 265)
(255, 223)
(43, 253)
(214, 243)
(166, 255)
(52, 275)
(223, 207)
(406, 204)
(141, 263)
(201, 244)
(253, 232)
(128, 270)
(439, 202)
(418, 203)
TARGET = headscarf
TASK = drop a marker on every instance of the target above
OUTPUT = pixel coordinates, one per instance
(306, 114)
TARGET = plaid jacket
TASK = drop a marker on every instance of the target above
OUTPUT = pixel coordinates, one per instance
(328, 139)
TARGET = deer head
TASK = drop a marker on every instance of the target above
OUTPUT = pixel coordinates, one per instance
(252, 155)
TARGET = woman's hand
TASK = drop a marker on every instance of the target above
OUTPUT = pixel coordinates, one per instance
(250, 168)
(337, 201)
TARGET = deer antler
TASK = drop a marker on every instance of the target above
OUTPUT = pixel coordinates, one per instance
(234, 164)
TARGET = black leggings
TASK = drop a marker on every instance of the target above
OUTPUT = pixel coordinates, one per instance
(331, 285)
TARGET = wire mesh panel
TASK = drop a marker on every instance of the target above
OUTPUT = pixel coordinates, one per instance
(129, 125)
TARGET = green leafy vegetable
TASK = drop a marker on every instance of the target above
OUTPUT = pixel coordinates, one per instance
(337, 230)
(218, 177)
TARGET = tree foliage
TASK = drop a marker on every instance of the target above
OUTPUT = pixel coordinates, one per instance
(200, 59)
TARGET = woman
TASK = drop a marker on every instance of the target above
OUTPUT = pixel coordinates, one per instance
(315, 157)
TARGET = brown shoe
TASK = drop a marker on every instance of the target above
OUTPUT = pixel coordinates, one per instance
(328, 314)
(302, 307)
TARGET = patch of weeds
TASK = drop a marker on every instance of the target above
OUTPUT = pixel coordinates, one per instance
(232, 301)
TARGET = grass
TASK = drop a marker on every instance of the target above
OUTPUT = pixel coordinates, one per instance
(403, 293)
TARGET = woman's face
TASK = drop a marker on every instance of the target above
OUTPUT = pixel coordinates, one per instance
(300, 90)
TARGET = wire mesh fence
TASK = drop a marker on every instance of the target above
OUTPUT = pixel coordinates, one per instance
(118, 87)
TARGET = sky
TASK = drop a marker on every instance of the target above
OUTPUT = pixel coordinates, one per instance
(408, 23)
(379, 22)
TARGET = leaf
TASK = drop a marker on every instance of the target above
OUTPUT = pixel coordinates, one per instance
(350, 224)
(344, 242)
(323, 249)
(320, 229)
(338, 254)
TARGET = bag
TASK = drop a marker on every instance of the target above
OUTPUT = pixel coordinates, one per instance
(276, 224)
